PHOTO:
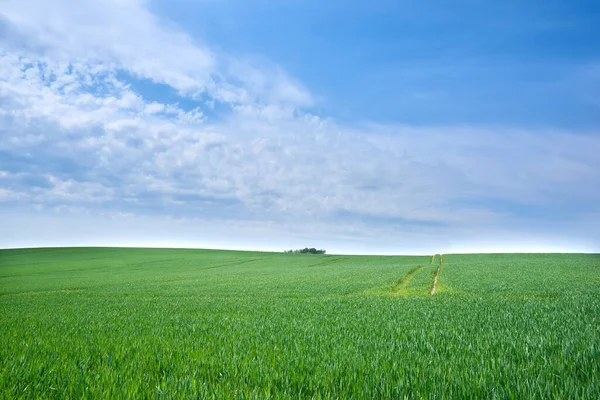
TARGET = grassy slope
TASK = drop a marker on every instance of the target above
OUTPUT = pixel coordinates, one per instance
(152, 322)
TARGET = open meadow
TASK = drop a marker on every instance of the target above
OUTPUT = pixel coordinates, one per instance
(172, 323)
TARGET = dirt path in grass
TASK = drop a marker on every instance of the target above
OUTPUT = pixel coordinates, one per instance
(437, 274)
(402, 283)
(435, 279)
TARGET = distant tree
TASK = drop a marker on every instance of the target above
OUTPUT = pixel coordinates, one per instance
(306, 250)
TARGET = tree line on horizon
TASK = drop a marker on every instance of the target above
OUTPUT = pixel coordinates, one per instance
(306, 250)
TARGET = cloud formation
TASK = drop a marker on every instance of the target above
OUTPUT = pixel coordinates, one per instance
(76, 138)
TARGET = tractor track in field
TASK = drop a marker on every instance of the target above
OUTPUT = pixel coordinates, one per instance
(435, 279)
(232, 263)
(402, 283)
(326, 262)
(437, 274)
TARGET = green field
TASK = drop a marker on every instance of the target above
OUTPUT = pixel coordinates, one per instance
(156, 323)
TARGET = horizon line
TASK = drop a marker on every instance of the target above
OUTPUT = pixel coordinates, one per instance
(158, 247)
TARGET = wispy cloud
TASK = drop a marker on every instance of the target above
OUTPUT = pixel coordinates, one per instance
(113, 35)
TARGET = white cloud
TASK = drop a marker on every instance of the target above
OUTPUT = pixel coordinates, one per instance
(295, 164)
(125, 35)
(6, 194)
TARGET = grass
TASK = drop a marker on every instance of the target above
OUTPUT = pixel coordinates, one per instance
(166, 323)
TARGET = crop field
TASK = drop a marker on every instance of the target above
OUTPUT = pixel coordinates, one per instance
(171, 323)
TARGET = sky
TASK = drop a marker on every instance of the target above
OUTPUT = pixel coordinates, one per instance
(386, 127)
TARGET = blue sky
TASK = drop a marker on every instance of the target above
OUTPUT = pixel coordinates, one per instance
(422, 62)
(366, 127)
